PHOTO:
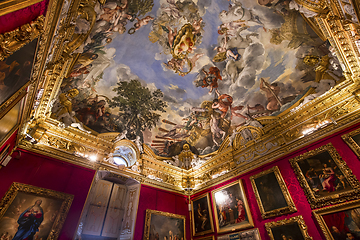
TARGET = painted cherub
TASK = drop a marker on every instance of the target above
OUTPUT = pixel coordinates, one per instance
(142, 22)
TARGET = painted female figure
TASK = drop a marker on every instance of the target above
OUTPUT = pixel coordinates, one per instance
(29, 222)
(328, 179)
(241, 211)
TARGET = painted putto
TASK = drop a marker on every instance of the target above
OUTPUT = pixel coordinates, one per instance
(188, 74)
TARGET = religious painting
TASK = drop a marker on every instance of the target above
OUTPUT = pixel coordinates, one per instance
(252, 234)
(29, 212)
(325, 177)
(231, 208)
(272, 194)
(10, 121)
(341, 221)
(15, 71)
(187, 72)
(163, 225)
(201, 215)
(292, 228)
(353, 140)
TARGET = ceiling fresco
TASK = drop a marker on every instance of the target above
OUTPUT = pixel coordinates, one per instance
(176, 72)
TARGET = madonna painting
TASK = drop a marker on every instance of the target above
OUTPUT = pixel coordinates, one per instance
(29, 212)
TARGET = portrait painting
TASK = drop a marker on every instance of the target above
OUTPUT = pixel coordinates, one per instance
(231, 208)
(288, 229)
(15, 70)
(325, 177)
(341, 221)
(29, 212)
(271, 193)
(201, 215)
(163, 225)
(352, 139)
(252, 234)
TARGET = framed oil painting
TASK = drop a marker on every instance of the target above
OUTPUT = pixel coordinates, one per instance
(325, 177)
(206, 238)
(292, 228)
(341, 221)
(163, 225)
(272, 194)
(231, 208)
(201, 215)
(15, 71)
(29, 212)
(252, 234)
(353, 140)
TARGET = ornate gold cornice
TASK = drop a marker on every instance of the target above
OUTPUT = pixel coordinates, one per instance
(280, 135)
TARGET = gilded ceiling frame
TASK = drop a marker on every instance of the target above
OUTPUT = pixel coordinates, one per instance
(335, 110)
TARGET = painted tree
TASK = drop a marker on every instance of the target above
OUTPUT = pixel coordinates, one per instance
(139, 107)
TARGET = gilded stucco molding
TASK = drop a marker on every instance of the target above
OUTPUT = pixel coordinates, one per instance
(278, 136)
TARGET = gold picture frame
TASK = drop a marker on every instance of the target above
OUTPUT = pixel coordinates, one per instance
(231, 208)
(154, 222)
(9, 6)
(321, 168)
(294, 227)
(23, 203)
(253, 234)
(272, 194)
(201, 219)
(212, 237)
(351, 139)
(344, 211)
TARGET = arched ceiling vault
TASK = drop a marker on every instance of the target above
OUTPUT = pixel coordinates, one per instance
(197, 90)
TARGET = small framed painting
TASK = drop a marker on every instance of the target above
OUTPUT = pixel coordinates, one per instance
(201, 215)
(272, 194)
(163, 225)
(28, 212)
(340, 221)
(231, 208)
(252, 234)
(353, 140)
(206, 238)
(15, 72)
(325, 177)
(292, 228)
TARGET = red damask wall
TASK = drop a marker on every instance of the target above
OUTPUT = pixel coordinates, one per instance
(20, 17)
(293, 185)
(160, 200)
(44, 172)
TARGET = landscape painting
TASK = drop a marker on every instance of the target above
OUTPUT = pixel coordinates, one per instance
(191, 72)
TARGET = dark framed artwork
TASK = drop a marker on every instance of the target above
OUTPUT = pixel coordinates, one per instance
(231, 208)
(15, 71)
(272, 194)
(352, 139)
(32, 212)
(325, 177)
(163, 225)
(252, 234)
(292, 228)
(201, 215)
(340, 221)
